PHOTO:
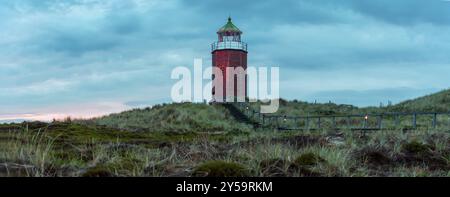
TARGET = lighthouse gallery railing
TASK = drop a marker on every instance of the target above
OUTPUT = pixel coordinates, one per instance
(229, 45)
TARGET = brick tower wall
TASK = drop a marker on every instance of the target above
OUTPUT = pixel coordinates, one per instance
(230, 58)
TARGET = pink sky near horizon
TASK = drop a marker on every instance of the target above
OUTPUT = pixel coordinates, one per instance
(75, 111)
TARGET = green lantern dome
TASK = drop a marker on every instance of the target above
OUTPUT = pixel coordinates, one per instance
(229, 28)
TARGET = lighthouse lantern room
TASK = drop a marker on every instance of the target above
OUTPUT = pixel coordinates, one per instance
(229, 52)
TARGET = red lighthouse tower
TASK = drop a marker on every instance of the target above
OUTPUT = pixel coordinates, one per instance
(229, 52)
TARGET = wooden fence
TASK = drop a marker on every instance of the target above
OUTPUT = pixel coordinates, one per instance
(414, 120)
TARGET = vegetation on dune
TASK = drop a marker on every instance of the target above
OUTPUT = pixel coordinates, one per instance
(416, 147)
(300, 108)
(205, 140)
(182, 117)
(189, 117)
(308, 159)
(64, 152)
(98, 171)
(221, 169)
(438, 102)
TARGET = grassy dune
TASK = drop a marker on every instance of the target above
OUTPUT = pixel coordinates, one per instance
(184, 117)
(205, 140)
(71, 149)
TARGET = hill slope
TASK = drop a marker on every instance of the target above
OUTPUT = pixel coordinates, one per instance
(300, 108)
(437, 102)
(180, 117)
(188, 117)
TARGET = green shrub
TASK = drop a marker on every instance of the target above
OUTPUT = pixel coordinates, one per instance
(98, 171)
(273, 167)
(416, 147)
(373, 156)
(221, 169)
(308, 159)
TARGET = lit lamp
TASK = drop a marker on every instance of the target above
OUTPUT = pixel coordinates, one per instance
(365, 120)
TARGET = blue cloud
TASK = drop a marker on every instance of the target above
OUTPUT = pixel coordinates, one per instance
(73, 51)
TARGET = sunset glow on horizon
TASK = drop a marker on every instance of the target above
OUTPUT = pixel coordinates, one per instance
(77, 111)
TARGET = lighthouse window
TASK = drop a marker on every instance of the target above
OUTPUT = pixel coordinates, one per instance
(228, 38)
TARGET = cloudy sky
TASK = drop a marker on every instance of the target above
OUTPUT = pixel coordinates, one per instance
(86, 58)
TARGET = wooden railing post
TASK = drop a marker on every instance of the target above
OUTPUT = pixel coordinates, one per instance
(277, 122)
(349, 122)
(296, 123)
(434, 120)
(380, 121)
(318, 122)
(307, 123)
(263, 119)
(334, 122)
(448, 115)
(397, 121)
(415, 121)
(272, 120)
(365, 121)
(448, 120)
